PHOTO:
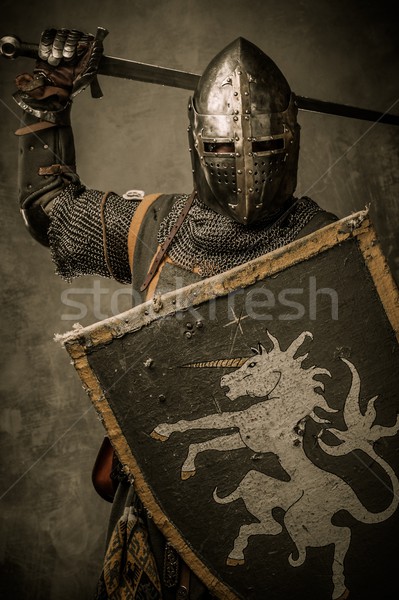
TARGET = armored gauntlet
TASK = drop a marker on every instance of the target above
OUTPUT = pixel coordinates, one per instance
(67, 64)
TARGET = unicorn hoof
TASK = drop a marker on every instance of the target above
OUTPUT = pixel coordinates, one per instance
(158, 436)
(187, 474)
(234, 562)
(344, 595)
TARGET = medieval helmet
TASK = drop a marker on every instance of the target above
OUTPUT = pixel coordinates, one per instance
(243, 133)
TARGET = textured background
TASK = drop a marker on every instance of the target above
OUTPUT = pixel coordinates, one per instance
(52, 524)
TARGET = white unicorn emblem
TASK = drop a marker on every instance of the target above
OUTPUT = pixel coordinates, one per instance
(276, 424)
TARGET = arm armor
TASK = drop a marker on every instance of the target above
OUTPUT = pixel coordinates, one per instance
(86, 230)
(60, 212)
(46, 166)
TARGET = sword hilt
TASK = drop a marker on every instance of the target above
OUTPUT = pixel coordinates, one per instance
(12, 47)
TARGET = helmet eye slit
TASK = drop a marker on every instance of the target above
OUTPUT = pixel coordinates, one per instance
(219, 147)
(274, 145)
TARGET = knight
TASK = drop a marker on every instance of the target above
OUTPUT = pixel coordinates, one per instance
(244, 144)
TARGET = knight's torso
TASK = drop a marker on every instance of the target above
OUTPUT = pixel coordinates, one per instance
(207, 243)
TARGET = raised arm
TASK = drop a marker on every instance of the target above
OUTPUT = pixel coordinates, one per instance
(86, 229)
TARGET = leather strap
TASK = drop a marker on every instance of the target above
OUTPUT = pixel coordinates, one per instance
(135, 225)
(39, 126)
(56, 169)
(163, 249)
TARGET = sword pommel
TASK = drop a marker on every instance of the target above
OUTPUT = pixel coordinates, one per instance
(12, 47)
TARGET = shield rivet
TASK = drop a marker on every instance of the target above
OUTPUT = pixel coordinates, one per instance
(188, 334)
(161, 397)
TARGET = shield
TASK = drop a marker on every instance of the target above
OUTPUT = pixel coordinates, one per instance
(257, 412)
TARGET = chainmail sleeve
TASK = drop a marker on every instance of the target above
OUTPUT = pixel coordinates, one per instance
(83, 230)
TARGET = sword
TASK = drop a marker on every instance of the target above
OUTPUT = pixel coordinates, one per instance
(12, 47)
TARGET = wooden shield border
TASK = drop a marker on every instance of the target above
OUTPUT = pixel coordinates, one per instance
(79, 343)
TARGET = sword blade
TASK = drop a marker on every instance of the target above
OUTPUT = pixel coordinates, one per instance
(345, 110)
(130, 69)
(11, 47)
(137, 71)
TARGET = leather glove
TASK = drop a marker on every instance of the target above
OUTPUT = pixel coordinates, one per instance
(68, 62)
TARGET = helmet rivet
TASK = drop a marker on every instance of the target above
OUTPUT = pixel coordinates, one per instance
(239, 190)
(249, 153)
(250, 172)
(239, 72)
(238, 154)
(246, 93)
(237, 138)
(251, 189)
(235, 93)
(246, 118)
(239, 171)
(247, 112)
(235, 118)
